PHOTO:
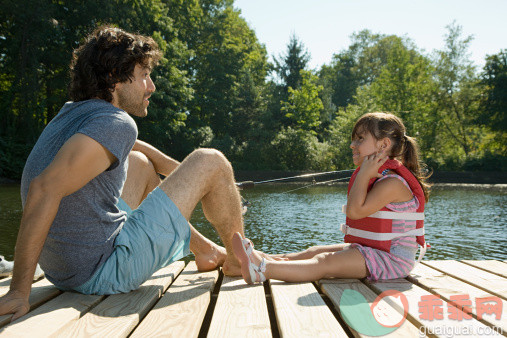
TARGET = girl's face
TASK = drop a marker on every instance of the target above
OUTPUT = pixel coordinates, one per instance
(362, 145)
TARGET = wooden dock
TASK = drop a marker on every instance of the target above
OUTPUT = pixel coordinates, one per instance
(178, 301)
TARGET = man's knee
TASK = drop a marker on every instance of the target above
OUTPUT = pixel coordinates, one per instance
(213, 159)
(142, 171)
(139, 161)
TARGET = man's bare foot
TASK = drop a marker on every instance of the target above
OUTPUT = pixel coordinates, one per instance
(232, 268)
(210, 260)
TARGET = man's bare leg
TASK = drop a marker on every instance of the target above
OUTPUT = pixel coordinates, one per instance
(142, 179)
(207, 176)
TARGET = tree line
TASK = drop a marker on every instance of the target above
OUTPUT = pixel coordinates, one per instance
(217, 88)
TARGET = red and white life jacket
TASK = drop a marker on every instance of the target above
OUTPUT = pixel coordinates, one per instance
(375, 230)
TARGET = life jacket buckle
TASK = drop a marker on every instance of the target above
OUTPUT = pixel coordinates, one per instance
(344, 228)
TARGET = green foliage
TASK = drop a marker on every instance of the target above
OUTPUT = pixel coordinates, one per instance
(494, 103)
(213, 88)
(227, 55)
(298, 149)
(304, 105)
(12, 157)
(288, 66)
(458, 92)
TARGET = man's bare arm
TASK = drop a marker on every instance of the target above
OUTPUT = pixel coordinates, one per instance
(163, 164)
(79, 160)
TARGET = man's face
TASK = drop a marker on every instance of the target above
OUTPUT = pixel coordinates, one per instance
(133, 96)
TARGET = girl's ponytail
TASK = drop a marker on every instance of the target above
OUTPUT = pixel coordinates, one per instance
(410, 158)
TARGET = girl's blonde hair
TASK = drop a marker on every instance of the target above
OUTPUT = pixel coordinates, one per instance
(404, 147)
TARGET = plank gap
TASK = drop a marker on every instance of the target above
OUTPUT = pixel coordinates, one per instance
(150, 307)
(203, 333)
(412, 319)
(336, 314)
(429, 278)
(484, 268)
(92, 306)
(216, 289)
(333, 309)
(271, 311)
(460, 277)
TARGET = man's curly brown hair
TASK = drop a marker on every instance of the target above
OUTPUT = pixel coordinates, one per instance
(108, 56)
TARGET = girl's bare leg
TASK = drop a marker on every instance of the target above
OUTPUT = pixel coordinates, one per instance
(313, 251)
(347, 263)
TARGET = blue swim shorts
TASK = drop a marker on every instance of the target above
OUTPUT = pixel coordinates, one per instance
(154, 235)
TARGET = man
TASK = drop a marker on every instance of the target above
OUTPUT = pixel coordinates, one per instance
(74, 222)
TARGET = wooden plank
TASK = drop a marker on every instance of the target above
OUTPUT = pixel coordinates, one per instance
(490, 282)
(241, 311)
(52, 317)
(118, 314)
(4, 285)
(42, 291)
(334, 290)
(447, 286)
(431, 327)
(493, 266)
(301, 312)
(180, 312)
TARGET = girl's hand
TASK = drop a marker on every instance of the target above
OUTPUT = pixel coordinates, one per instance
(372, 163)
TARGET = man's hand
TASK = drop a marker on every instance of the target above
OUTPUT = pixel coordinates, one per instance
(14, 303)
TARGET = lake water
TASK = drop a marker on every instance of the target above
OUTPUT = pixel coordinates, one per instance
(461, 223)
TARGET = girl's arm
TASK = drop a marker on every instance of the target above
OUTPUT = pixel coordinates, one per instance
(361, 203)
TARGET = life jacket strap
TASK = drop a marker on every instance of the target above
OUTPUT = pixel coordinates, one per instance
(378, 236)
(422, 252)
(407, 216)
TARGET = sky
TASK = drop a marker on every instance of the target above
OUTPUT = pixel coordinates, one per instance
(325, 26)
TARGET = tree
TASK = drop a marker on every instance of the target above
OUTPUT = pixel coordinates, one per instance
(288, 66)
(458, 95)
(494, 103)
(298, 149)
(227, 50)
(304, 106)
(36, 43)
(287, 70)
(357, 66)
(404, 86)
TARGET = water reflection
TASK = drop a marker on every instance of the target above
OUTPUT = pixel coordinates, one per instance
(460, 223)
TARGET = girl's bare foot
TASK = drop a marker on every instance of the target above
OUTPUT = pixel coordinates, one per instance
(252, 262)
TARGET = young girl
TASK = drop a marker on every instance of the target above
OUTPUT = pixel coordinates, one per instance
(384, 210)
